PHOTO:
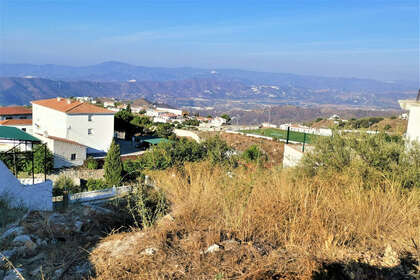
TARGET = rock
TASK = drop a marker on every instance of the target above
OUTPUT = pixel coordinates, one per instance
(82, 269)
(58, 273)
(58, 225)
(93, 210)
(36, 271)
(390, 257)
(7, 254)
(149, 251)
(78, 226)
(21, 239)
(27, 246)
(231, 244)
(13, 274)
(12, 232)
(213, 248)
(41, 242)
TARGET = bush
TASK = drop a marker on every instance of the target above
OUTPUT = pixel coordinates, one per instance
(113, 165)
(372, 157)
(387, 127)
(65, 183)
(96, 184)
(254, 154)
(91, 163)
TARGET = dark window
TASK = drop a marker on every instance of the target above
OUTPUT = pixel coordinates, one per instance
(89, 118)
(24, 129)
(23, 118)
(9, 118)
(73, 157)
(90, 131)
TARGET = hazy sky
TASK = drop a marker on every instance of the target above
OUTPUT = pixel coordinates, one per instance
(352, 38)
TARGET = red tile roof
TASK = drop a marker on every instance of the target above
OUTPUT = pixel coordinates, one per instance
(13, 122)
(14, 110)
(71, 106)
(65, 140)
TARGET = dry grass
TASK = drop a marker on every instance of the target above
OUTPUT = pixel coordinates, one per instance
(271, 224)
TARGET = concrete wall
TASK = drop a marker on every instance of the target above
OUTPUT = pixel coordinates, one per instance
(63, 152)
(48, 120)
(292, 156)
(102, 131)
(413, 127)
(187, 133)
(33, 197)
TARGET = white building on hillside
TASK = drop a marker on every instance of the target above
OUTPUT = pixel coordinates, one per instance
(169, 110)
(82, 123)
(15, 112)
(413, 128)
(22, 124)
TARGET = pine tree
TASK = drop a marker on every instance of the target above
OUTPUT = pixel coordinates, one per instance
(113, 165)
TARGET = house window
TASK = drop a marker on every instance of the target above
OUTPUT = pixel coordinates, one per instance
(23, 118)
(24, 129)
(89, 118)
(90, 131)
(9, 118)
(73, 157)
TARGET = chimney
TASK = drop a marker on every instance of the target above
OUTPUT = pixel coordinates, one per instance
(58, 98)
(68, 101)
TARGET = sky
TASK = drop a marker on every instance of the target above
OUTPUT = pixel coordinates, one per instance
(376, 39)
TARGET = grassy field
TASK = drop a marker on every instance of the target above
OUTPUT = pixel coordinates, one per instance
(282, 134)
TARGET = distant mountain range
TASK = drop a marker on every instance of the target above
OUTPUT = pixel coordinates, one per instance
(21, 83)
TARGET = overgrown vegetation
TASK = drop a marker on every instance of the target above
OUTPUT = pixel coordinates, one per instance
(354, 207)
(91, 163)
(374, 156)
(9, 214)
(113, 165)
(65, 184)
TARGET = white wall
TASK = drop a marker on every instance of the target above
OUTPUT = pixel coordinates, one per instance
(48, 120)
(102, 126)
(413, 128)
(63, 152)
(33, 197)
(187, 133)
(291, 156)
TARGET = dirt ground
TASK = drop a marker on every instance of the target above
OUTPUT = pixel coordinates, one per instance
(274, 149)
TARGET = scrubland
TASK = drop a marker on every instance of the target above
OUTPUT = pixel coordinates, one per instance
(350, 211)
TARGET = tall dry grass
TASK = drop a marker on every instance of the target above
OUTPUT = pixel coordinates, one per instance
(285, 225)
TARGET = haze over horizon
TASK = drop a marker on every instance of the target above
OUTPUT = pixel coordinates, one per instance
(364, 39)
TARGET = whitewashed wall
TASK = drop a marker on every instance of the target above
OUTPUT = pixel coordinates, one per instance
(413, 128)
(291, 156)
(187, 133)
(33, 197)
(102, 126)
(48, 120)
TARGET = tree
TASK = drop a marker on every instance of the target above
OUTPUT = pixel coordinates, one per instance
(41, 153)
(226, 117)
(113, 165)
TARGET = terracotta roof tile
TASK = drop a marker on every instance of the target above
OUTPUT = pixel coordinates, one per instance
(16, 122)
(71, 106)
(65, 140)
(15, 110)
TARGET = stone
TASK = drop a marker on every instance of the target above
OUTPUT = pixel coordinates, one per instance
(229, 245)
(213, 248)
(78, 226)
(36, 271)
(390, 257)
(82, 269)
(11, 232)
(8, 254)
(58, 225)
(21, 239)
(149, 251)
(13, 274)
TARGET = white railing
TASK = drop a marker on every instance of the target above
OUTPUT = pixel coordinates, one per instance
(96, 195)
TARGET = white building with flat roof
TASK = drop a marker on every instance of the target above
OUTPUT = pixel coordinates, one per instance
(82, 123)
(413, 127)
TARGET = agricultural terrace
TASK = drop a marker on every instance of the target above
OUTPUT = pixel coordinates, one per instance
(282, 134)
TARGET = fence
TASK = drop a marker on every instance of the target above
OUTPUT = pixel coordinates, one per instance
(92, 196)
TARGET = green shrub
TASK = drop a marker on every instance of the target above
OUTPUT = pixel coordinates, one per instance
(96, 184)
(393, 117)
(113, 165)
(254, 154)
(376, 156)
(65, 183)
(91, 163)
(387, 127)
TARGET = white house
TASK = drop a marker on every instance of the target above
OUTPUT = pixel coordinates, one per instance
(15, 112)
(79, 122)
(218, 121)
(22, 124)
(413, 128)
(169, 110)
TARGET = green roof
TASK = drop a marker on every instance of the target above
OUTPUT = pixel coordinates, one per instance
(155, 141)
(13, 133)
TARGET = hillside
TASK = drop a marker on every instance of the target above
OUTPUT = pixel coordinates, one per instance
(195, 92)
